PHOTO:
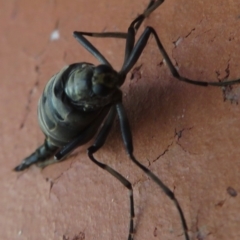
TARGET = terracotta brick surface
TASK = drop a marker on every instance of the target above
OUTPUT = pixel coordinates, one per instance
(187, 135)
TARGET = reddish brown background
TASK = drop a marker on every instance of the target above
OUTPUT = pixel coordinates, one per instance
(187, 135)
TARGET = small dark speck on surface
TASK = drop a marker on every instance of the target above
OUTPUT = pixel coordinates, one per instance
(232, 192)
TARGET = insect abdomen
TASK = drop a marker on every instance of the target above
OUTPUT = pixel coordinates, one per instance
(60, 120)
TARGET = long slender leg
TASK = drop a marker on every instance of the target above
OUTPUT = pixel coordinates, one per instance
(130, 36)
(140, 45)
(150, 8)
(100, 140)
(90, 48)
(134, 26)
(132, 53)
(127, 139)
(44, 152)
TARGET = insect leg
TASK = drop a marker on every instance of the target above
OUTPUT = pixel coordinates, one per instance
(130, 35)
(43, 153)
(100, 140)
(150, 8)
(90, 48)
(84, 137)
(140, 45)
(130, 40)
(127, 139)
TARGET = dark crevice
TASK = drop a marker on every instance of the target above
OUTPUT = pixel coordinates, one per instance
(79, 236)
(220, 203)
(228, 91)
(178, 135)
(192, 30)
(181, 39)
(56, 179)
(164, 152)
(135, 73)
(30, 97)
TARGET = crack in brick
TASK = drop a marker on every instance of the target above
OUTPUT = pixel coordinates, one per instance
(180, 39)
(192, 30)
(177, 42)
(201, 235)
(55, 180)
(29, 98)
(79, 236)
(178, 135)
(227, 73)
(135, 73)
(149, 163)
(164, 152)
(220, 203)
(228, 93)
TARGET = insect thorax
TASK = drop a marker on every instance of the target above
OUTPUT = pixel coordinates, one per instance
(91, 87)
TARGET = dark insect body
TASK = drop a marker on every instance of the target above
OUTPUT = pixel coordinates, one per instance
(83, 98)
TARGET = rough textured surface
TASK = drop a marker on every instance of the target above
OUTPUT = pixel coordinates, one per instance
(187, 135)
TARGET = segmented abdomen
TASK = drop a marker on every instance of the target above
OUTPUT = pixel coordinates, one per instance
(60, 121)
